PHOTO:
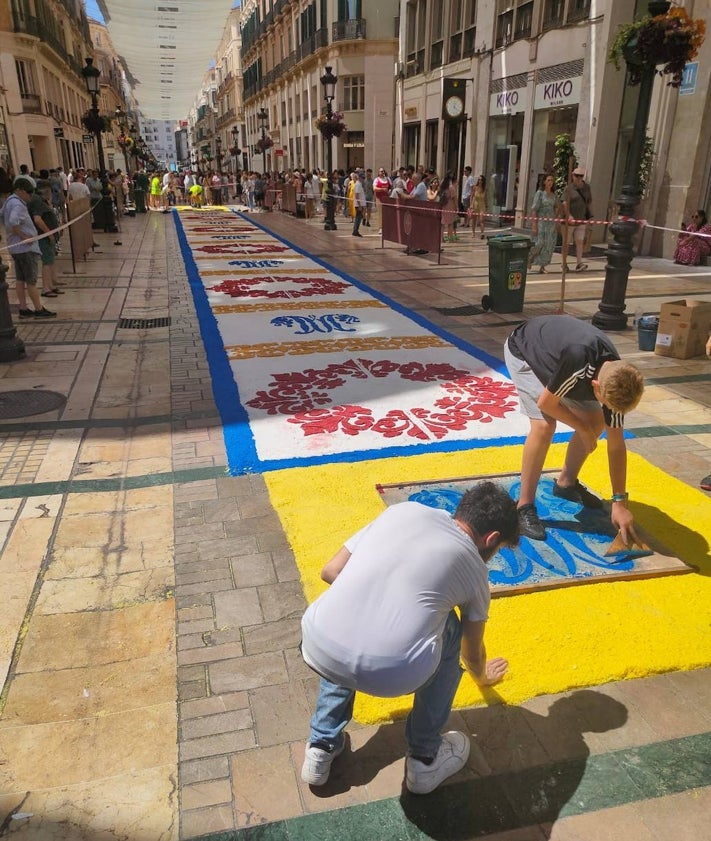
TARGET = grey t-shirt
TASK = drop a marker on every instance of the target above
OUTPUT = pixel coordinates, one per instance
(378, 628)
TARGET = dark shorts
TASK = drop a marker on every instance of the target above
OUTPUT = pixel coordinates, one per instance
(47, 252)
(26, 267)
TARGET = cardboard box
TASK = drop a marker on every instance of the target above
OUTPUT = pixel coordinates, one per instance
(683, 329)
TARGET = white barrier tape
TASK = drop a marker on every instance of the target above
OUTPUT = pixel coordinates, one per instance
(49, 233)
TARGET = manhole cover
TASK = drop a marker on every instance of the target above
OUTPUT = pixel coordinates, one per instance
(20, 404)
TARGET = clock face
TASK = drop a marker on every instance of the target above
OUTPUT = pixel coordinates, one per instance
(454, 106)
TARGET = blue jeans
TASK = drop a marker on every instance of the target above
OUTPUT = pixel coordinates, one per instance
(430, 710)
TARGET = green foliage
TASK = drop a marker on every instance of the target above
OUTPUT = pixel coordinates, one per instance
(564, 151)
(645, 165)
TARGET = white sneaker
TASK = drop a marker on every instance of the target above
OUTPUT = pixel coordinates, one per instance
(451, 757)
(317, 763)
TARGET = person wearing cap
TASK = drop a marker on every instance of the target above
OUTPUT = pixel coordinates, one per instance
(577, 201)
(23, 247)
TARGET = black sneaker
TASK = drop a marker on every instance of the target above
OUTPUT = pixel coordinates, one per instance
(44, 313)
(27, 313)
(529, 524)
(579, 494)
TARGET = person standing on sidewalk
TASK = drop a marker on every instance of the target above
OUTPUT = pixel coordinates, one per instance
(577, 201)
(566, 370)
(20, 227)
(358, 197)
(387, 626)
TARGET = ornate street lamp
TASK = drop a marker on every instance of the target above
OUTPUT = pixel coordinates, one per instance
(611, 309)
(235, 151)
(263, 118)
(11, 345)
(328, 80)
(91, 76)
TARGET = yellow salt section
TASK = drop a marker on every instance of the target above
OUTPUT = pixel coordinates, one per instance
(555, 640)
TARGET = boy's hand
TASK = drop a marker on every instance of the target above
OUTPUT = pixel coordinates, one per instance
(495, 671)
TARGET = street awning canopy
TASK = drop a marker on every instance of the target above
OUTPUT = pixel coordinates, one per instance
(166, 47)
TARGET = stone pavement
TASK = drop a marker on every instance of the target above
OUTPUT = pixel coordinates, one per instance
(151, 682)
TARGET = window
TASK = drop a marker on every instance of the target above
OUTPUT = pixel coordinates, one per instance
(578, 10)
(436, 32)
(353, 93)
(415, 28)
(553, 13)
(462, 32)
(26, 77)
(514, 20)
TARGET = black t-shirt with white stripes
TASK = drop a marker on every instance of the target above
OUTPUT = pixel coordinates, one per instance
(566, 355)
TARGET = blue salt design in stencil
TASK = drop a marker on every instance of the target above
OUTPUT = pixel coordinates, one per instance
(577, 538)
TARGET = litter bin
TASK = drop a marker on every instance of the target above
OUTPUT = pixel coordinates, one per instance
(647, 326)
(508, 261)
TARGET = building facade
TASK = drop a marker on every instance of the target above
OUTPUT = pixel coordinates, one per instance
(286, 47)
(43, 95)
(518, 73)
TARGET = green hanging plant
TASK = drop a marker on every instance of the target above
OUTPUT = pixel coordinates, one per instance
(564, 151)
(645, 166)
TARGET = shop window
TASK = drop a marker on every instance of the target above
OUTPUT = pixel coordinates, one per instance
(411, 143)
(431, 148)
(353, 93)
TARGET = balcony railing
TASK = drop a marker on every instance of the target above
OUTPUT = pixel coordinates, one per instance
(348, 30)
(31, 103)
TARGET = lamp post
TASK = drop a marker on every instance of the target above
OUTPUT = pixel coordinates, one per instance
(11, 345)
(91, 77)
(218, 153)
(263, 118)
(611, 309)
(235, 150)
(328, 80)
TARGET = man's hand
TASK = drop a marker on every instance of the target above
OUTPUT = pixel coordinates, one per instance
(494, 671)
(622, 518)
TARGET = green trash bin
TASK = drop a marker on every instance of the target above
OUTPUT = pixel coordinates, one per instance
(508, 262)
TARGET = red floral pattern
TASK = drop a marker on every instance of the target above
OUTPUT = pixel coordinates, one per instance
(245, 248)
(254, 287)
(469, 399)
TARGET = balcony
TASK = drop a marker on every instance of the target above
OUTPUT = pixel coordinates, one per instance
(225, 118)
(31, 103)
(348, 30)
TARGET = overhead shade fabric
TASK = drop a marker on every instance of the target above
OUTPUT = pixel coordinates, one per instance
(166, 47)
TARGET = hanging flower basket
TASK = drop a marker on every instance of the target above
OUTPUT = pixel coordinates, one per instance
(332, 126)
(125, 142)
(95, 123)
(264, 143)
(671, 40)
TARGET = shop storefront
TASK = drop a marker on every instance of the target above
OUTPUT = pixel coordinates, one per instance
(556, 100)
(508, 102)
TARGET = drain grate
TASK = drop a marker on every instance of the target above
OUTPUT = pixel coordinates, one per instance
(143, 323)
(22, 404)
